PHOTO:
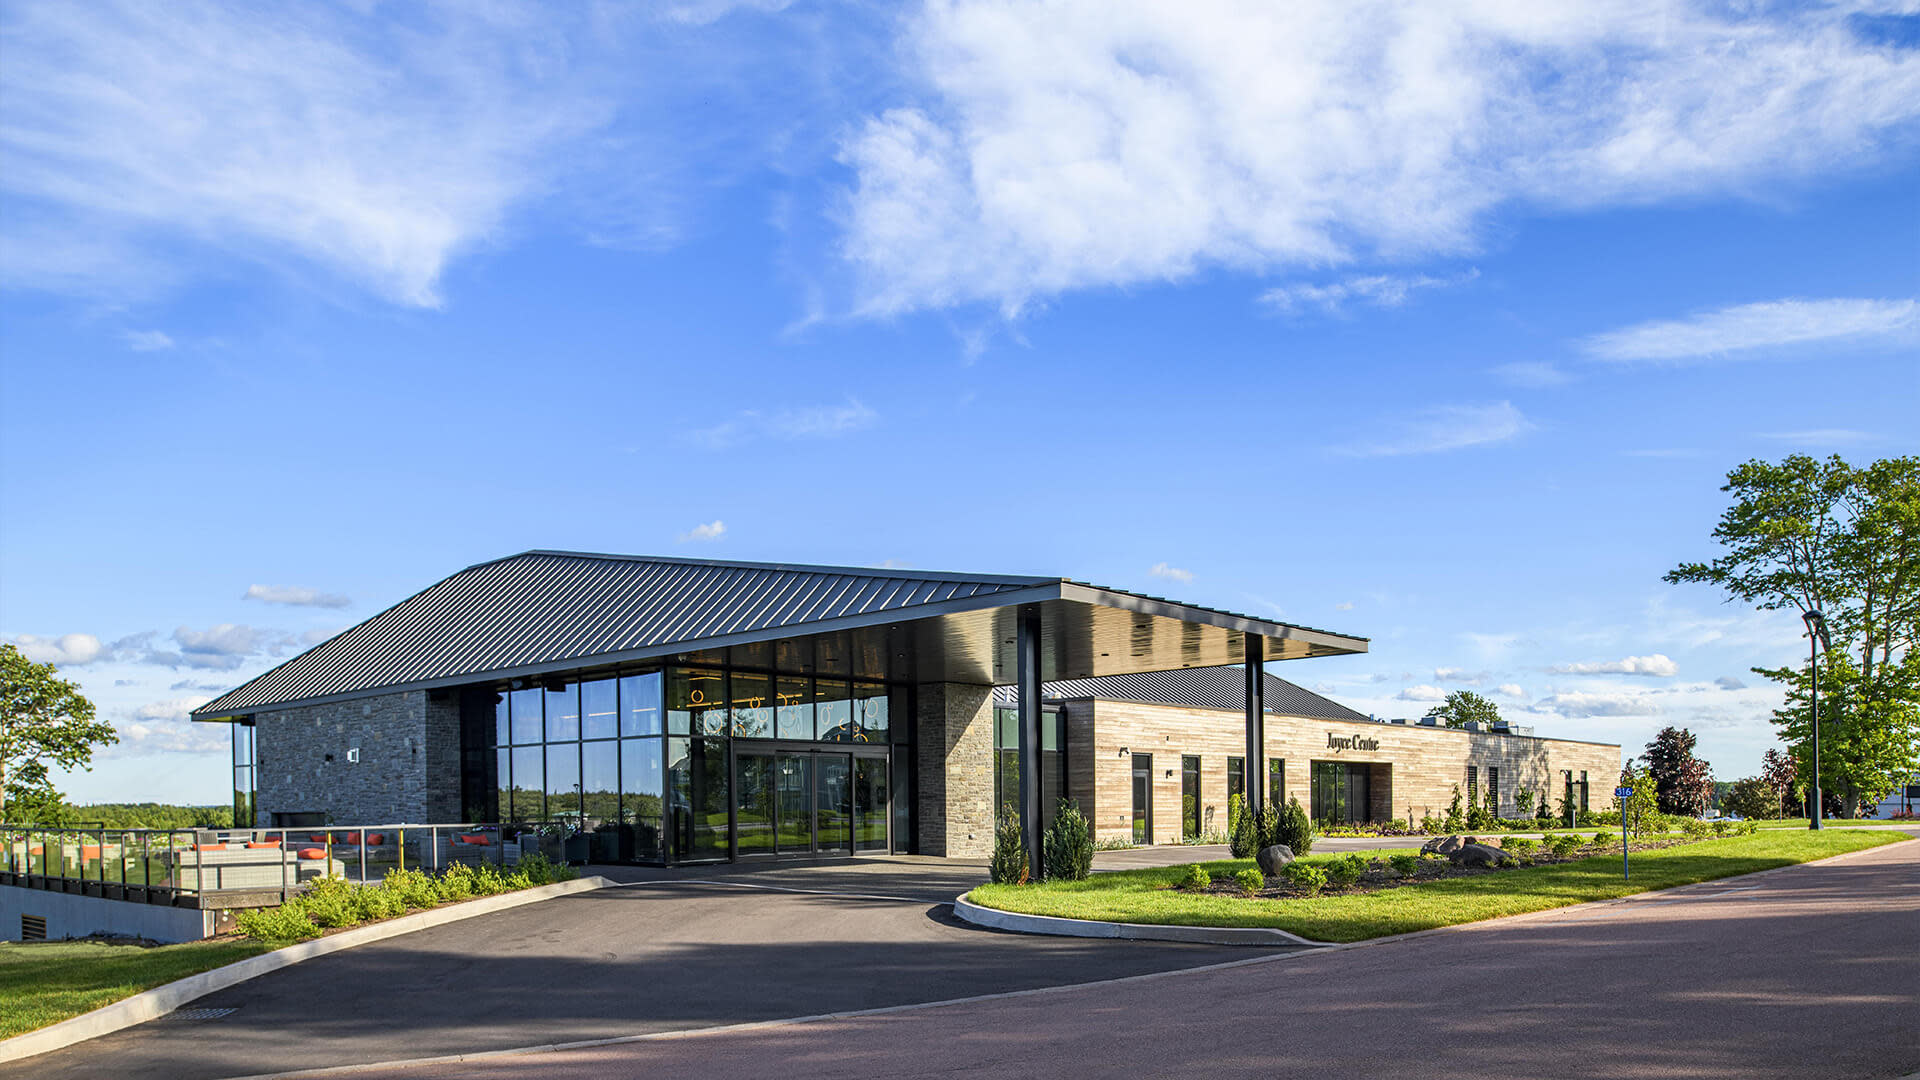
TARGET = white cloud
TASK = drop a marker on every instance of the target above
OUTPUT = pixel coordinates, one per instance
(147, 340)
(1532, 374)
(1344, 605)
(1098, 143)
(67, 650)
(712, 530)
(1584, 703)
(1459, 675)
(1421, 693)
(1728, 682)
(1747, 327)
(815, 422)
(296, 596)
(1380, 290)
(163, 727)
(220, 648)
(1657, 665)
(378, 147)
(1171, 573)
(1446, 427)
(1512, 690)
(1822, 437)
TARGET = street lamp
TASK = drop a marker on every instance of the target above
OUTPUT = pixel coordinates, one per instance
(1817, 643)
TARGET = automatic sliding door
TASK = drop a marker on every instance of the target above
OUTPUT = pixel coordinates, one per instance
(833, 802)
(795, 803)
(754, 814)
(869, 804)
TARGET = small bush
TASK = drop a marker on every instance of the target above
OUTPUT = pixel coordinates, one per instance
(1566, 844)
(378, 902)
(1249, 880)
(488, 881)
(1695, 829)
(1603, 839)
(540, 870)
(1308, 879)
(1243, 828)
(1431, 824)
(455, 884)
(1068, 844)
(1519, 845)
(280, 925)
(330, 902)
(1195, 878)
(1724, 828)
(1346, 870)
(415, 888)
(1009, 866)
(1294, 829)
(1404, 865)
(1456, 820)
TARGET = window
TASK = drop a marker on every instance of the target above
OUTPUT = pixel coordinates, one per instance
(1473, 785)
(752, 697)
(1583, 791)
(793, 708)
(1277, 781)
(1493, 789)
(1006, 758)
(600, 709)
(1236, 777)
(1190, 809)
(244, 769)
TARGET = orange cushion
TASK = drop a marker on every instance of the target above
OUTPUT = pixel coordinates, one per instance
(353, 838)
(209, 847)
(90, 851)
(313, 853)
(263, 843)
(376, 838)
(471, 838)
(318, 838)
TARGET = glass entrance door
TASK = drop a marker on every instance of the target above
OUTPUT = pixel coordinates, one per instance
(810, 802)
(869, 803)
(832, 802)
(1143, 798)
(794, 804)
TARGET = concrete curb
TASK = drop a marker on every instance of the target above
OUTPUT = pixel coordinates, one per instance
(1093, 928)
(163, 999)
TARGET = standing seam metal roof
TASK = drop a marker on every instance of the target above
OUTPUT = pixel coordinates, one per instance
(547, 606)
(1222, 688)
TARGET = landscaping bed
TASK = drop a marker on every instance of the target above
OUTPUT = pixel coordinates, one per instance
(1359, 912)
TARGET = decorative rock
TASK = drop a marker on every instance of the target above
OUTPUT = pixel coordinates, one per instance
(1441, 845)
(1273, 859)
(1478, 855)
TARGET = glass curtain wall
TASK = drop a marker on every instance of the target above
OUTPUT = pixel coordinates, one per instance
(1006, 763)
(587, 755)
(244, 785)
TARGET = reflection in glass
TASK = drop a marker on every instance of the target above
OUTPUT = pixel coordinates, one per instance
(563, 714)
(903, 810)
(794, 708)
(563, 782)
(833, 710)
(869, 712)
(600, 782)
(696, 702)
(754, 813)
(869, 804)
(524, 705)
(697, 797)
(640, 704)
(795, 804)
(752, 698)
(529, 785)
(503, 794)
(641, 786)
(502, 733)
(832, 802)
(832, 654)
(599, 709)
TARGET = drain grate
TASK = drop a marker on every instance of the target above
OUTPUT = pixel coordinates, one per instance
(33, 928)
(192, 1015)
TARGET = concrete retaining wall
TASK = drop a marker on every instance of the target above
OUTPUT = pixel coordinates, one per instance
(72, 916)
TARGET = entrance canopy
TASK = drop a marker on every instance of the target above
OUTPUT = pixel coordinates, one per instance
(543, 612)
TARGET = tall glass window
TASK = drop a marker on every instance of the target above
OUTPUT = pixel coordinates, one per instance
(529, 785)
(244, 768)
(525, 708)
(599, 709)
(1236, 777)
(1277, 781)
(833, 710)
(1006, 757)
(869, 712)
(752, 697)
(563, 714)
(697, 797)
(793, 707)
(640, 704)
(642, 796)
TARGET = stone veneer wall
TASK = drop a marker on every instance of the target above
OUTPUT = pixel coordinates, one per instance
(955, 758)
(409, 767)
(1415, 767)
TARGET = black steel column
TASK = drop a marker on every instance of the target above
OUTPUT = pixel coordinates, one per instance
(1255, 771)
(1027, 647)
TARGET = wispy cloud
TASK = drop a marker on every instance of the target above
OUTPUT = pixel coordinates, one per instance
(1658, 665)
(1822, 437)
(712, 530)
(1532, 375)
(1749, 327)
(1512, 690)
(1170, 573)
(1421, 693)
(296, 596)
(147, 340)
(1728, 682)
(1377, 290)
(1584, 703)
(1445, 427)
(813, 422)
(222, 647)
(1156, 141)
(1344, 605)
(1459, 675)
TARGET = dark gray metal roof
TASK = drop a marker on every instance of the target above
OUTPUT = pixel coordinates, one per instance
(548, 611)
(1223, 688)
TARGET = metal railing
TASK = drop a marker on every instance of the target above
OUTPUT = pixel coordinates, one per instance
(172, 865)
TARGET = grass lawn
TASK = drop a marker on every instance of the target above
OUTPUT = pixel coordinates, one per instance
(45, 982)
(1831, 823)
(1143, 896)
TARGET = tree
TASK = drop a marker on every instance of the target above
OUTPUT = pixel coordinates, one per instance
(1753, 798)
(1781, 773)
(1683, 784)
(1462, 706)
(45, 722)
(1644, 801)
(1806, 535)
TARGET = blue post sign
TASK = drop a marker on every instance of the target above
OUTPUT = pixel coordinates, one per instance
(1626, 831)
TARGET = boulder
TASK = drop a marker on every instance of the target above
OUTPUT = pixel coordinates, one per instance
(1441, 845)
(1478, 855)
(1273, 859)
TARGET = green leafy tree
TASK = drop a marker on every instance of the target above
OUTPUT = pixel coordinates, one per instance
(1805, 535)
(45, 723)
(1462, 706)
(1781, 773)
(1642, 807)
(1683, 783)
(1245, 833)
(1009, 863)
(1294, 829)
(1751, 797)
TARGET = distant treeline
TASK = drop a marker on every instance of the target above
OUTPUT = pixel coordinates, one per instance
(144, 816)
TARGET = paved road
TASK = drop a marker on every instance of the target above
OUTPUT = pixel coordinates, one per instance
(1809, 972)
(655, 956)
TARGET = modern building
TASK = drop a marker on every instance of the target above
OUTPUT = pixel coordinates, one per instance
(681, 710)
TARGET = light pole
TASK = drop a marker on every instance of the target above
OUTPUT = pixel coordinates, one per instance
(1817, 643)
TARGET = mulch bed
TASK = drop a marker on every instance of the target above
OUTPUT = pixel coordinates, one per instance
(1381, 875)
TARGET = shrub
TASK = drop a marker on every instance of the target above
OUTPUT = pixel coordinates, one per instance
(1068, 844)
(276, 925)
(456, 883)
(1267, 829)
(1478, 819)
(378, 902)
(1603, 839)
(1009, 866)
(1404, 865)
(1294, 829)
(1695, 829)
(1242, 829)
(1519, 845)
(1249, 880)
(1195, 877)
(1308, 879)
(1430, 824)
(1346, 870)
(1566, 844)
(1456, 820)
(487, 881)
(415, 888)
(1723, 828)
(540, 870)
(330, 902)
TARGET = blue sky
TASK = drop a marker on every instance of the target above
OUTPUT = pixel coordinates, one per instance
(1436, 325)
